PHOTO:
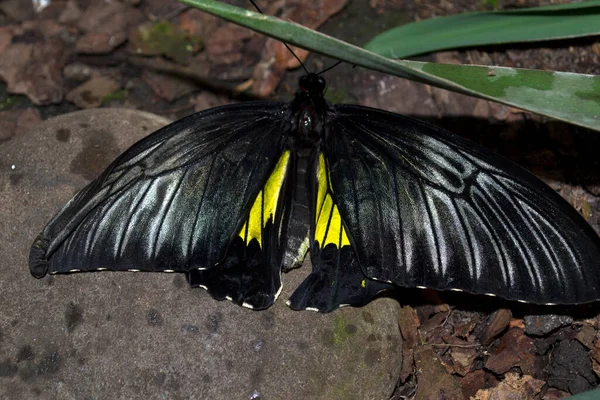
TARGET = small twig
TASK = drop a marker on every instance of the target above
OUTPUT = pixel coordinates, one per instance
(188, 72)
(462, 346)
(446, 319)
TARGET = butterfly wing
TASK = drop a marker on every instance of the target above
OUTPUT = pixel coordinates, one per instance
(426, 208)
(173, 201)
(250, 273)
(336, 278)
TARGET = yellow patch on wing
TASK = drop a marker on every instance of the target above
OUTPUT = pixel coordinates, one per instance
(329, 227)
(265, 204)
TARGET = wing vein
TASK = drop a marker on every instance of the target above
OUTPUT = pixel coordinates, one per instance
(165, 211)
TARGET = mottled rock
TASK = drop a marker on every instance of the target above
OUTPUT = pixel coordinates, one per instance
(127, 335)
(539, 325)
(571, 368)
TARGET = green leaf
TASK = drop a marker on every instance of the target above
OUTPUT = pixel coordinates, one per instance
(569, 97)
(10, 101)
(486, 28)
(591, 395)
(164, 38)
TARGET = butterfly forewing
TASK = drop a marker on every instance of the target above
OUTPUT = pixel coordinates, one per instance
(173, 201)
(424, 208)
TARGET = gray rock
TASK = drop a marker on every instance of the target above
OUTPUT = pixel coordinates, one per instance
(540, 325)
(128, 335)
(570, 368)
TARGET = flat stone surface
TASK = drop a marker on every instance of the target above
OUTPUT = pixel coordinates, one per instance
(149, 336)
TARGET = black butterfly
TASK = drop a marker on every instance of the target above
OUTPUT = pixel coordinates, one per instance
(237, 194)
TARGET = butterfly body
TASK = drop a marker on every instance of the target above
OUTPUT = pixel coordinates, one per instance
(236, 195)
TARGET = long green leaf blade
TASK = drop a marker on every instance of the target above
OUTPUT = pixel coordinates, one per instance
(573, 98)
(487, 28)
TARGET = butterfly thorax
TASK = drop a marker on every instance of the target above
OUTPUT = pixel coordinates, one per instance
(308, 112)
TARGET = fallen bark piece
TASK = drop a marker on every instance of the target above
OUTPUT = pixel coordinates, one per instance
(434, 381)
(497, 323)
(516, 349)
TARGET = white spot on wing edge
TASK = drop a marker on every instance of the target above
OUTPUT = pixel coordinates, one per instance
(280, 288)
(102, 269)
(379, 280)
(133, 270)
(203, 287)
(456, 290)
(289, 303)
(75, 270)
(229, 298)
(248, 305)
(169, 270)
(278, 293)
(421, 287)
(490, 294)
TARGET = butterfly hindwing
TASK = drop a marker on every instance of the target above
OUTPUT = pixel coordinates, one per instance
(250, 273)
(426, 208)
(174, 201)
(336, 278)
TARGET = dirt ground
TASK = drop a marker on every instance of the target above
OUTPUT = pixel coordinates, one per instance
(166, 58)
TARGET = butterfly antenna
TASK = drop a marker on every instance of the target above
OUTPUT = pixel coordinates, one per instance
(330, 67)
(284, 43)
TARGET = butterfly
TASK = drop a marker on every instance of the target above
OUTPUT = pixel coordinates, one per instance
(236, 195)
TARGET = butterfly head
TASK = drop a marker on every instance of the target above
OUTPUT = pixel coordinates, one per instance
(312, 84)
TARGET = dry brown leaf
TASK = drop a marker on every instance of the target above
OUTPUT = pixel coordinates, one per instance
(92, 93)
(35, 70)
